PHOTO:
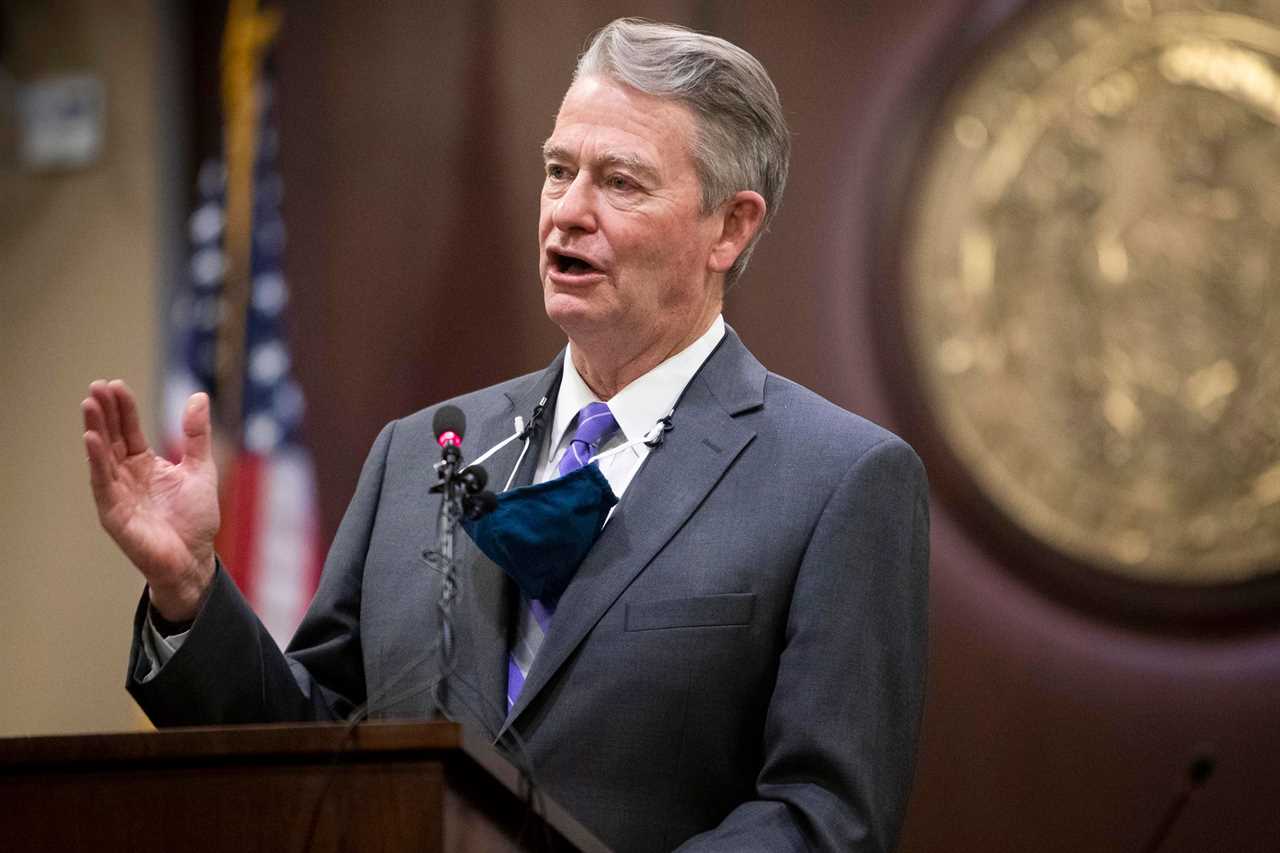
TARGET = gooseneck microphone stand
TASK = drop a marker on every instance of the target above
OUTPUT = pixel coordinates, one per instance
(462, 495)
(447, 520)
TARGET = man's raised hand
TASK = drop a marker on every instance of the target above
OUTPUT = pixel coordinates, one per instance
(163, 516)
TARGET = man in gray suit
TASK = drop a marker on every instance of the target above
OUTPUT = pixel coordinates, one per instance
(738, 662)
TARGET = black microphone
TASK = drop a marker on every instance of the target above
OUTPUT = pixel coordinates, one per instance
(1198, 773)
(449, 424)
(477, 501)
(478, 504)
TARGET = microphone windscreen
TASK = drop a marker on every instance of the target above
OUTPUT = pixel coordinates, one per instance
(475, 478)
(1201, 769)
(449, 424)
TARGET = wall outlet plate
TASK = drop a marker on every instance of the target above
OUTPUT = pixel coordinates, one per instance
(60, 122)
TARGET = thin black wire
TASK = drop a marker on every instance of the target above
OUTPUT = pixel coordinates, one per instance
(357, 716)
(529, 790)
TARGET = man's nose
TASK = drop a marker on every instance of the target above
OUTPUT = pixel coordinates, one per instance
(575, 209)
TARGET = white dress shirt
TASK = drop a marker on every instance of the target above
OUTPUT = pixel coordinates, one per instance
(636, 408)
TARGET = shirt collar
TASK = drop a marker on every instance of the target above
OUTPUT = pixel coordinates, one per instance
(639, 405)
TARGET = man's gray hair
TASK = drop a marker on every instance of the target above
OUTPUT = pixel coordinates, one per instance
(742, 141)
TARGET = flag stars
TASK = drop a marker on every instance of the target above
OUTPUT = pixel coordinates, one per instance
(262, 433)
(268, 363)
(208, 266)
(206, 223)
(269, 294)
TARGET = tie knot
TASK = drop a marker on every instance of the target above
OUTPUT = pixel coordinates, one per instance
(595, 425)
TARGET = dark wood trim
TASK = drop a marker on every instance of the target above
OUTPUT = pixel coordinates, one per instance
(404, 785)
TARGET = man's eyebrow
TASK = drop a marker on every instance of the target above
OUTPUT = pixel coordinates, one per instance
(554, 152)
(630, 162)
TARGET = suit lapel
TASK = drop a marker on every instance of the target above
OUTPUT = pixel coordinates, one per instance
(485, 599)
(704, 441)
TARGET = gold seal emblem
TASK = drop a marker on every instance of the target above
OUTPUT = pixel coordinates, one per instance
(1092, 287)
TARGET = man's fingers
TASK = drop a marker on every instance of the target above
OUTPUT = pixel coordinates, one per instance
(95, 424)
(130, 425)
(92, 414)
(196, 429)
(101, 391)
(100, 465)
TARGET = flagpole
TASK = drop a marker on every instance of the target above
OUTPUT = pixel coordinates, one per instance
(248, 34)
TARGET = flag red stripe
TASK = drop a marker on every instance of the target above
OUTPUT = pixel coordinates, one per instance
(240, 521)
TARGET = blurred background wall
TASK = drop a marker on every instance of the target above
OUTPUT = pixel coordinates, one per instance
(409, 150)
(82, 261)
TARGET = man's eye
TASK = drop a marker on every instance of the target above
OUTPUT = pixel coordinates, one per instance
(620, 183)
(556, 172)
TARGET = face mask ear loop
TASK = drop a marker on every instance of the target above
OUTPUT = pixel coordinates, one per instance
(495, 449)
(653, 438)
(527, 441)
(600, 457)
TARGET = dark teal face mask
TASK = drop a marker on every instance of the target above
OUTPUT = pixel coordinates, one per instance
(540, 534)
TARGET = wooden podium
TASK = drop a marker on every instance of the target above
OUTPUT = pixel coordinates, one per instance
(275, 789)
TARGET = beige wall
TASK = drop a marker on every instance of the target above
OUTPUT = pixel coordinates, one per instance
(79, 269)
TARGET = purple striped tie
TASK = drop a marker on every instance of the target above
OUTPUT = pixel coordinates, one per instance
(596, 425)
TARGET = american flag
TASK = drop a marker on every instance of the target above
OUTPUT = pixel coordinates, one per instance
(270, 539)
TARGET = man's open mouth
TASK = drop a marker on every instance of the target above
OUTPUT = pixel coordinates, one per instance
(569, 265)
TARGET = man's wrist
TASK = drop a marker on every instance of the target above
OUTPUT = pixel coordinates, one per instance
(182, 603)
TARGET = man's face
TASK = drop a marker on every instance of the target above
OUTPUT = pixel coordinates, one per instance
(624, 247)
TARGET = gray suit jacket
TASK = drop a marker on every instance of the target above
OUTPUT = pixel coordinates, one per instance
(738, 664)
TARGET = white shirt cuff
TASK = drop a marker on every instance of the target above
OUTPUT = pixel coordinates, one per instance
(158, 649)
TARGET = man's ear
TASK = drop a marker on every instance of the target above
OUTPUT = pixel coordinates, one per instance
(740, 218)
